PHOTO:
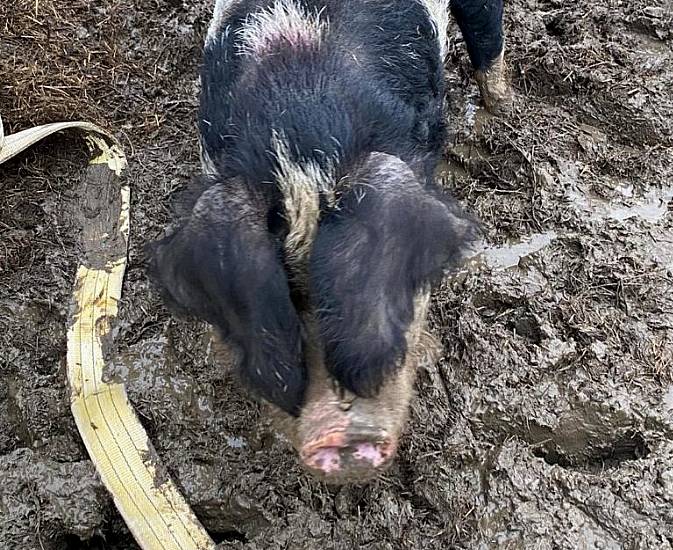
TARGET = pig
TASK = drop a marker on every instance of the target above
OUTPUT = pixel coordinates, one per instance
(316, 232)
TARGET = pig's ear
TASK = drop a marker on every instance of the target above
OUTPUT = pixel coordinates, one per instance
(223, 266)
(389, 239)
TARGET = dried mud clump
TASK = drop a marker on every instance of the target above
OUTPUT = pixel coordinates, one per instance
(548, 421)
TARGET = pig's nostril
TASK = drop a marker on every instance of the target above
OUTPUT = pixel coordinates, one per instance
(371, 453)
(327, 460)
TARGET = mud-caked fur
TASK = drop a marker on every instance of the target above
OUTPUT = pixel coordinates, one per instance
(321, 127)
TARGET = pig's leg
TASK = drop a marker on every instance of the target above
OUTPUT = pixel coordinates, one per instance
(222, 266)
(373, 262)
(480, 22)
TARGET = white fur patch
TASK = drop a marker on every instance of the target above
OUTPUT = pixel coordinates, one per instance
(438, 10)
(284, 20)
(220, 15)
(207, 164)
(300, 185)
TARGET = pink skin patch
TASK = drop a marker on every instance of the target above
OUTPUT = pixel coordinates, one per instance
(334, 445)
(369, 452)
(335, 439)
(285, 21)
(326, 460)
(332, 455)
(323, 453)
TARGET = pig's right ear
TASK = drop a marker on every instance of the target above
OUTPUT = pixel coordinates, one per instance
(223, 266)
(389, 239)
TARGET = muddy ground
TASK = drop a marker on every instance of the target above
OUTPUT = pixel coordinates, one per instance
(548, 422)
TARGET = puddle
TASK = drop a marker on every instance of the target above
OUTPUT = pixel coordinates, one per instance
(471, 114)
(509, 255)
(650, 207)
(236, 442)
(475, 117)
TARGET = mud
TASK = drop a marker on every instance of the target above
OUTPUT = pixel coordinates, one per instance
(548, 421)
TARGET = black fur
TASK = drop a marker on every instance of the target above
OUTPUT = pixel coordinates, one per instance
(480, 23)
(389, 239)
(223, 266)
(376, 84)
(366, 105)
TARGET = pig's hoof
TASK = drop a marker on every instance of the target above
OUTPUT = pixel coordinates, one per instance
(335, 458)
(493, 85)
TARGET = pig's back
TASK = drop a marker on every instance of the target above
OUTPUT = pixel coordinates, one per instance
(374, 83)
(394, 39)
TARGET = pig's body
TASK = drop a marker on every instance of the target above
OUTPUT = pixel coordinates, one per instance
(321, 126)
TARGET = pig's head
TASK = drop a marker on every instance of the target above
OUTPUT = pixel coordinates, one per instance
(342, 437)
(328, 312)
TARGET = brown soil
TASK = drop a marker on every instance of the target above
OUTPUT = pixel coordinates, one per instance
(548, 422)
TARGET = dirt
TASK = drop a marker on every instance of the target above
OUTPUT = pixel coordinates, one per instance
(548, 422)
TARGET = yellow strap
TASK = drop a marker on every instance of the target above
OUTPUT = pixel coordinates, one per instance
(148, 500)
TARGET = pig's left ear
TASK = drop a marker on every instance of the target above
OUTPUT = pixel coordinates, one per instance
(223, 266)
(389, 239)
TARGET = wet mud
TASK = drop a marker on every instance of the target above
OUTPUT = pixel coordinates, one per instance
(548, 420)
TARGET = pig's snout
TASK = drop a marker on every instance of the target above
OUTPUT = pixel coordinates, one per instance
(347, 450)
(359, 459)
(342, 438)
